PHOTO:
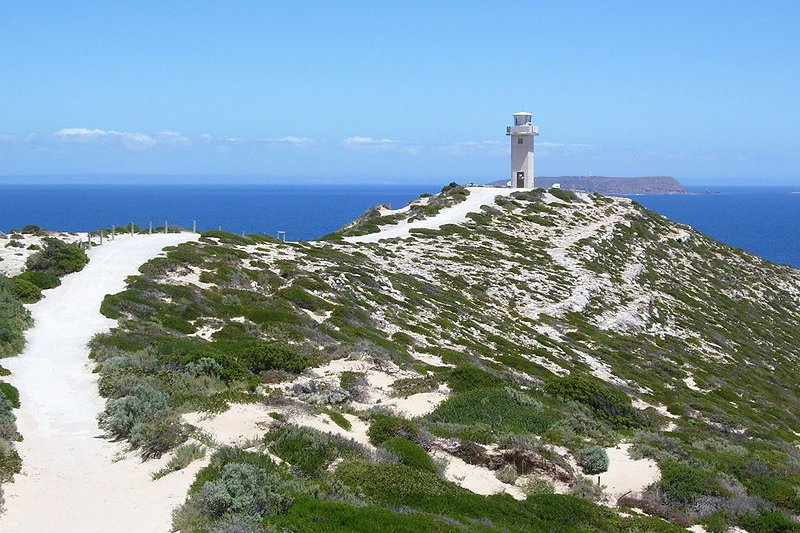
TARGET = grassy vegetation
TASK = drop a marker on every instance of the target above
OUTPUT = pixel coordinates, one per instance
(14, 319)
(679, 322)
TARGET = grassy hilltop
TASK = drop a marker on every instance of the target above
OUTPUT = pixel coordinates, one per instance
(537, 334)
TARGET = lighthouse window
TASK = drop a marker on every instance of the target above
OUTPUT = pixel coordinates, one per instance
(519, 141)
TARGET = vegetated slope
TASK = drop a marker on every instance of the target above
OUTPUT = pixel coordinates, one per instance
(519, 341)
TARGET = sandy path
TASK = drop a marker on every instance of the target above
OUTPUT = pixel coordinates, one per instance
(478, 196)
(69, 482)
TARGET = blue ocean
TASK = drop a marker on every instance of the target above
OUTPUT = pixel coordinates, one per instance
(762, 220)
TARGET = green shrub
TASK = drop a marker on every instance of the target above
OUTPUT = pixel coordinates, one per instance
(241, 489)
(154, 434)
(42, 280)
(593, 460)
(26, 291)
(768, 522)
(495, 408)
(339, 419)
(681, 484)
(507, 474)
(57, 258)
(608, 403)
(409, 453)
(534, 485)
(14, 318)
(563, 194)
(184, 455)
(10, 393)
(385, 427)
(308, 450)
(121, 414)
(177, 324)
(469, 377)
(587, 489)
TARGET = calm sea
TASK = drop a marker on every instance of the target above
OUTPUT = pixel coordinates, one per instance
(763, 220)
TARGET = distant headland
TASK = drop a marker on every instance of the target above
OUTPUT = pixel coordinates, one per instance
(611, 185)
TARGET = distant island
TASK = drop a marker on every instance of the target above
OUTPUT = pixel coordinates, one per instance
(611, 185)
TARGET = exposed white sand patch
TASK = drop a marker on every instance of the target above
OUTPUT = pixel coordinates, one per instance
(417, 404)
(477, 479)
(240, 423)
(626, 474)
(69, 481)
(478, 196)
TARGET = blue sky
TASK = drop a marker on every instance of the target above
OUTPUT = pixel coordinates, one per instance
(706, 91)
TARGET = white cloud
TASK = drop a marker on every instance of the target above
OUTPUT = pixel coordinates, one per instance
(289, 139)
(132, 140)
(371, 143)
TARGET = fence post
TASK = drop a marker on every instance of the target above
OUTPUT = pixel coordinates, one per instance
(113, 232)
(88, 240)
(101, 237)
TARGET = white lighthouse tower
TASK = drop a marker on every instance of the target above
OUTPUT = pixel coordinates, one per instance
(522, 134)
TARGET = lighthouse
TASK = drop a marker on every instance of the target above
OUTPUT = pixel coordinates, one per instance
(522, 134)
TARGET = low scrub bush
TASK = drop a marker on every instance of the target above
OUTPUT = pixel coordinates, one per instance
(43, 280)
(26, 291)
(585, 488)
(184, 455)
(10, 394)
(593, 460)
(308, 450)
(409, 453)
(534, 485)
(241, 489)
(681, 484)
(57, 258)
(121, 414)
(385, 427)
(608, 403)
(14, 318)
(507, 474)
(497, 409)
(156, 433)
(339, 419)
(469, 377)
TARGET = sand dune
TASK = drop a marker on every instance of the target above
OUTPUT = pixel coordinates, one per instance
(478, 196)
(70, 482)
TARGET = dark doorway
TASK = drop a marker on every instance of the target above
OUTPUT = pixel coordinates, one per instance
(520, 179)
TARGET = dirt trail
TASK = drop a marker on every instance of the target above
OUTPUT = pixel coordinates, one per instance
(70, 482)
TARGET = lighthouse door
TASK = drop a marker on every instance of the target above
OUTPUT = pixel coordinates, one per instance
(521, 179)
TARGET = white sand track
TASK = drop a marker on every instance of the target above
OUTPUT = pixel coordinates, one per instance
(478, 196)
(69, 482)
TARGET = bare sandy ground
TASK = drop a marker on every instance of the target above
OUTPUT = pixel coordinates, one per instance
(478, 196)
(70, 482)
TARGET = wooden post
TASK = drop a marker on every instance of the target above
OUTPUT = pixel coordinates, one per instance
(113, 232)
(101, 237)
(88, 240)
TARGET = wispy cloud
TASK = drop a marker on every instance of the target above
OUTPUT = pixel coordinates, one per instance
(290, 139)
(371, 143)
(131, 140)
(8, 138)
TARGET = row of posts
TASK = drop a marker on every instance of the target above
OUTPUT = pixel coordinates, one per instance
(281, 234)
